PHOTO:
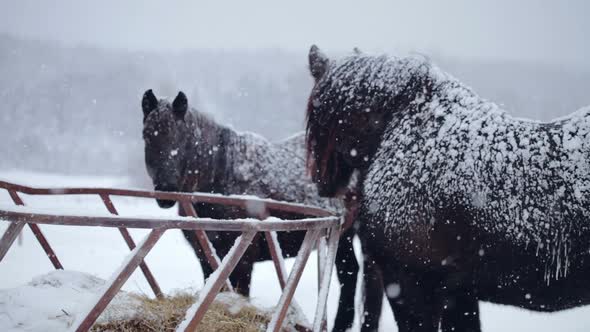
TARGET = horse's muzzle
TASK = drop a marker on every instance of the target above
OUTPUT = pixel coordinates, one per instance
(165, 203)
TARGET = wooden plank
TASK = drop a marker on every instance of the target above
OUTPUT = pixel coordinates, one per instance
(276, 254)
(321, 252)
(131, 245)
(175, 196)
(279, 315)
(196, 312)
(206, 224)
(9, 236)
(46, 247)
(38, 234)
(135, 257)
(319, 323)
(204, 242)
(322, 258)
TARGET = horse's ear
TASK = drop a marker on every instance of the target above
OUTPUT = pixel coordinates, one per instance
(180, 105)
(149, 102)
(318, 62)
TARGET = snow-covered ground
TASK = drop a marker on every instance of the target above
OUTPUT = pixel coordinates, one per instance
(52, 302)
(99, 251)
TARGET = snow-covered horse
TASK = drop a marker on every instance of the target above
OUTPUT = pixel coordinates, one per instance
(187, 151)
(460, 202)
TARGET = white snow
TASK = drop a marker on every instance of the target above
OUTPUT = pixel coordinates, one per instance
(99, 251)
(51, 302)
(54, 302)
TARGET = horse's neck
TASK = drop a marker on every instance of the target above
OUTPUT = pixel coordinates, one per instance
(224, 159)
(225, 151)
(249, 157)
(246, 146)
(206, 163)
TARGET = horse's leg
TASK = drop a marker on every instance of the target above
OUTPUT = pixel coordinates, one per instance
(415, 303)
(347, 269)
(372, 293)
(191, 238)
(460, 312)
(459, 305)
(241, 276)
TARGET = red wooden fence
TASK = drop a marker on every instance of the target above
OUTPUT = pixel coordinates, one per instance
(321, 228)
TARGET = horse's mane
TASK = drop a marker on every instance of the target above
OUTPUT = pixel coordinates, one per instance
(351, 79)
(394, 83)
(463, 134)
(204, 119)
(361, 74)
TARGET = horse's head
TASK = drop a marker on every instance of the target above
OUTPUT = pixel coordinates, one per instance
(165, 133)
(346, 117)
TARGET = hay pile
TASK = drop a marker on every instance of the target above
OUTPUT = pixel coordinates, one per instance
(228, 313)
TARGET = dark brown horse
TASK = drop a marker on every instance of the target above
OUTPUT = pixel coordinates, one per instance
(187, 151)
(460, 202)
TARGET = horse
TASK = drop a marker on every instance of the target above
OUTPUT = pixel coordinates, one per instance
(187, 151)
(459, 201)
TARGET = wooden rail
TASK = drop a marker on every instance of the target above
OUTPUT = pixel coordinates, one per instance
(319, 224)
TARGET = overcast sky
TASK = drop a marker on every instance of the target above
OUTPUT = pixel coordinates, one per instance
(546, 31)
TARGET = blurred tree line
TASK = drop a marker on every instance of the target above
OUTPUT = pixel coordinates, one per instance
(76, 110)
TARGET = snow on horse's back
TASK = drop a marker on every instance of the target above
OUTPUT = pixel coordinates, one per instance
(455, 191)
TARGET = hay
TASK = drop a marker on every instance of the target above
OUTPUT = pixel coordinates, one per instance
(228, 313)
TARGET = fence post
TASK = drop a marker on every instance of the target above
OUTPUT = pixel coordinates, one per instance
(135, 257)
(208, 250)
(197, 311)
(131, 244)
(38, 234)
(277, 318)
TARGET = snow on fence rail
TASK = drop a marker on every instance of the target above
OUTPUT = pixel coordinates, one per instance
(323, 226)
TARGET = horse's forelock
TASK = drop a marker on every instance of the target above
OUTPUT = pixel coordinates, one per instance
(309, 139)
(321, 139)
(336, 89)
(327, 154)
(322, 125)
